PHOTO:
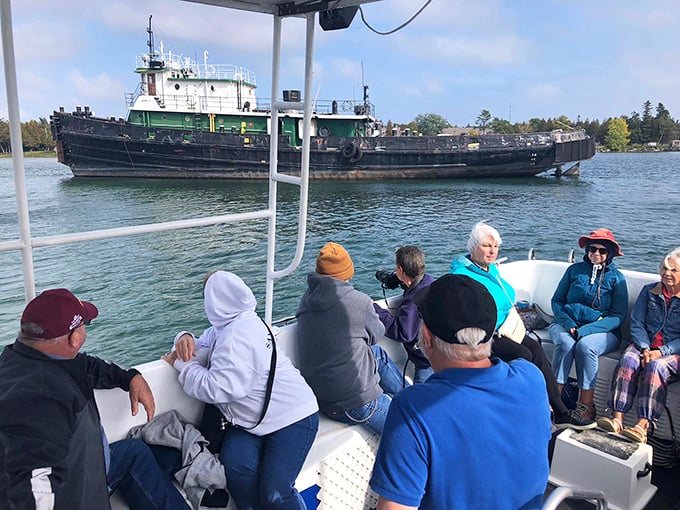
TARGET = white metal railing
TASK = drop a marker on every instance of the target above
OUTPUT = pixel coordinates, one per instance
(188, 68)
(26, 243)
(563, 493)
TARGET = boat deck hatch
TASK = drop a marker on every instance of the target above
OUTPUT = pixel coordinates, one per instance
(614, 445)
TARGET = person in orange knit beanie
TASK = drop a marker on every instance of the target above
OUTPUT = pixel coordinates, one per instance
(337, 330)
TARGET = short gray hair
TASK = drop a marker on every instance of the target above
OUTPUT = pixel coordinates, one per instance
(673, 254)
(471, 351)
(481, 232)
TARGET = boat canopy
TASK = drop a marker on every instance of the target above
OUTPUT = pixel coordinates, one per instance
(284, 7)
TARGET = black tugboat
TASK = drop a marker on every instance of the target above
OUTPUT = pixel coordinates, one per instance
(190, 119)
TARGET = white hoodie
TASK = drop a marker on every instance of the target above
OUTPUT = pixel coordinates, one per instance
(237, 349)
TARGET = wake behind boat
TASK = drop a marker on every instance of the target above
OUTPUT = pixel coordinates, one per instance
(190, 119)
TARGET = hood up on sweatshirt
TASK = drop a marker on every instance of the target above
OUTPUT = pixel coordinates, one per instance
(226, 297)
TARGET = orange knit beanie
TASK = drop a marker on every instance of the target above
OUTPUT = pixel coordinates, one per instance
(333, 260)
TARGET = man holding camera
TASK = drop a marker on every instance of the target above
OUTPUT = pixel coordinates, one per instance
(404, 325)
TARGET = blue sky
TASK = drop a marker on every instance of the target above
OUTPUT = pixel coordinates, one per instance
(518, 59)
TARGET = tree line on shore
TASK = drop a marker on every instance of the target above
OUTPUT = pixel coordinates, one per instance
(653, 127)
(36, 136)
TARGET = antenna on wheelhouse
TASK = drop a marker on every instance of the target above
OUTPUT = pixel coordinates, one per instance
(365, 88)
(150, 32)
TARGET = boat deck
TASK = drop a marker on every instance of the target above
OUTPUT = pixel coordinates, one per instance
(339, 465)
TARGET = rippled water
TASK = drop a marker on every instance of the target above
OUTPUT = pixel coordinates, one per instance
(147, 287)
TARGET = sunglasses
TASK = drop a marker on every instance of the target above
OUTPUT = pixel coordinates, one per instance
(85, 323)
(595, 249)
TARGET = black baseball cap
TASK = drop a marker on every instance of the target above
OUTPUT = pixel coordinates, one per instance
(454, 302)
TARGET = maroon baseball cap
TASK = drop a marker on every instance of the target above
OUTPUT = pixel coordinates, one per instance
(57, 312)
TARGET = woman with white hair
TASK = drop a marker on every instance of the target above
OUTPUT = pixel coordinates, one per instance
(479, 264)
(653, 356)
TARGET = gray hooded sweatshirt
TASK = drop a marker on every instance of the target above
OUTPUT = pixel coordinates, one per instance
(336, 327)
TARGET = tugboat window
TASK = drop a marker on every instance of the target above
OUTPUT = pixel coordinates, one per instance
(212, 88)
(176, 86)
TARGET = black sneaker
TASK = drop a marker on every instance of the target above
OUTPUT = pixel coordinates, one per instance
(574, 420)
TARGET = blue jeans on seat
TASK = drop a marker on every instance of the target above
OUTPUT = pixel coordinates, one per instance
(142, 482)
(261, 470)
(391, 379)
(422, 374)
(372, 414)
(584, 353)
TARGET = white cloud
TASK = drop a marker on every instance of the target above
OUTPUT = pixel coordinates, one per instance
(346, 68)
(39, 40)
(494, 51)
(101, 86)
(544, 93)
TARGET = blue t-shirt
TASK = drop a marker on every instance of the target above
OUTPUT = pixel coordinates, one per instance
(468, 438)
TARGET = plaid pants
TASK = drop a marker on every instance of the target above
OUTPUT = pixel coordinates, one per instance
(650, 383)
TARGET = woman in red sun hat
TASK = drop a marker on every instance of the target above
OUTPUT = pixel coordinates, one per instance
(590, 303)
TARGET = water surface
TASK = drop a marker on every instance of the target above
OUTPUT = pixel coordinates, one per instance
(148, 287)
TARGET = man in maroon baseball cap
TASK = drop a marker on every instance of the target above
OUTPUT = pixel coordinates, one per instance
(54, 453)
(55, 313)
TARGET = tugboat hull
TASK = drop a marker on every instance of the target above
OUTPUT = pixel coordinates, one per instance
(94, 147)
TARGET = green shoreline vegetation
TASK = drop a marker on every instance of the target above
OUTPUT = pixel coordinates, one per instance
(652, 130)
(33, 154)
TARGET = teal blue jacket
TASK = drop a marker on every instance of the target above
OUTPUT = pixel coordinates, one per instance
(597, 307)
(501, 291)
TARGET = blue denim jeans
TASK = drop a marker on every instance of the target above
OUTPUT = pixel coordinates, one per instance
(584, 353)
(391, 378)
(261, 470)
(422, 374)
(372, 414)
(142, 482)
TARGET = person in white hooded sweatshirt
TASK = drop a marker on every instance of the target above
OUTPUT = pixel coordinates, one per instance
(228, 365)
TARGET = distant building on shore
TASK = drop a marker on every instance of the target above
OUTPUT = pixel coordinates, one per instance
(458, 131)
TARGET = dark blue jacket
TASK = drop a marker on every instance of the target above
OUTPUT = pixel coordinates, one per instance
(404, 326)
(597, 307)
(650, 314)
(50, 431)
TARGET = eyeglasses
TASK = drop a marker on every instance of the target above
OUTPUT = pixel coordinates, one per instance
(595, 249)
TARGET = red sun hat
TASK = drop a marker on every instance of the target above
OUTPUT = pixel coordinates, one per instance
(601, 235)
(57, 312)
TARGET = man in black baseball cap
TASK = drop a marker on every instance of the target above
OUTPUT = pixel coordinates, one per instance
(54, 453)
(476, 432)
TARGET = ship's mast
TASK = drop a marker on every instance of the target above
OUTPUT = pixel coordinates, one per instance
(150, 42)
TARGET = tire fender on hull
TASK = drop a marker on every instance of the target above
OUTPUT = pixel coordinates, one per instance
(357, 155)
(349, 150)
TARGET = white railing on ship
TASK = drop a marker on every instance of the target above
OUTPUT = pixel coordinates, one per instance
(26, 243)
(187, 68)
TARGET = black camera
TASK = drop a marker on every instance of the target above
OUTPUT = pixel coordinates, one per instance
(388, 279)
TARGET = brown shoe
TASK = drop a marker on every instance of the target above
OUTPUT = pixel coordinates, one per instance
(585, 410)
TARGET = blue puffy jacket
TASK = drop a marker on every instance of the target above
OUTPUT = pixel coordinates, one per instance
(501, 291)
(591, 305)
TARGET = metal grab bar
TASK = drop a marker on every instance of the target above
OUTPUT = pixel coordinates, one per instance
(562, 493)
